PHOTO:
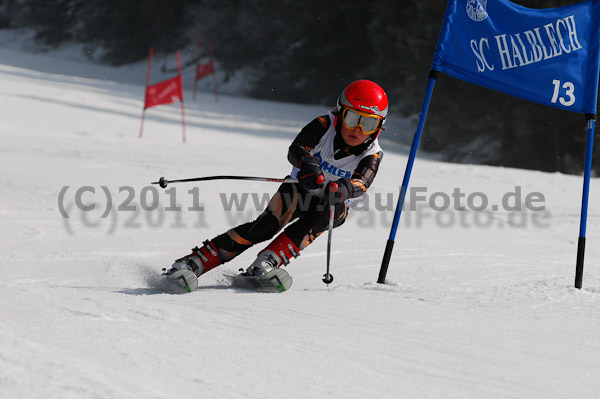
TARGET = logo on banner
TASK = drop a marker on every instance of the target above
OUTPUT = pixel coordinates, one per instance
(476, 10)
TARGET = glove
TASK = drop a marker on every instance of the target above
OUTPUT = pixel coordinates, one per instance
(310, 175)
(343, 190)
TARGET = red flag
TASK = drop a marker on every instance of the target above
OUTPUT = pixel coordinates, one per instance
(203, 70)
(165, 92)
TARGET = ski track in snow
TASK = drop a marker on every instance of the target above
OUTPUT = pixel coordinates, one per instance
(468, 311)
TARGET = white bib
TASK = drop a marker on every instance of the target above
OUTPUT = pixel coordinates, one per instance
(335, 169)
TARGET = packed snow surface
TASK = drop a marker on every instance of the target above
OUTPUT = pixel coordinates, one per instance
(478, 304)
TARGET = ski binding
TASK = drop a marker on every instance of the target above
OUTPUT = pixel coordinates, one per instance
(276, 280)
(183, 278)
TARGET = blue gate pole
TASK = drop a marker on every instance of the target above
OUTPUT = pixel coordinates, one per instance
(411, 159)
(591, 118)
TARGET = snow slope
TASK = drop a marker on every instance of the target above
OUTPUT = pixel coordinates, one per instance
(477, 305)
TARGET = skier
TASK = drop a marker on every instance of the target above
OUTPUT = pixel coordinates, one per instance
(340, 147)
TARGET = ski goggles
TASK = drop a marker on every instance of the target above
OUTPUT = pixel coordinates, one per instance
(368, 123)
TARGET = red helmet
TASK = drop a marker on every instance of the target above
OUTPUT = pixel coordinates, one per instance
(365, 96)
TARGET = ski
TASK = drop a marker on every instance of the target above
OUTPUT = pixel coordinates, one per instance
(276, 280)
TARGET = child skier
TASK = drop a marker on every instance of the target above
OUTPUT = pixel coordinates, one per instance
(340, 147)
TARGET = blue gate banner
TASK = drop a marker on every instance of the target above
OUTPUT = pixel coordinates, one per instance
(548, 56)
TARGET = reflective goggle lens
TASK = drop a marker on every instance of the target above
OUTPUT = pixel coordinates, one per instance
(367, 123)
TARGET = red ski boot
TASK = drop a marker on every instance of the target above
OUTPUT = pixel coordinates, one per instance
(201, 259)
(279, 252)
(185, 271)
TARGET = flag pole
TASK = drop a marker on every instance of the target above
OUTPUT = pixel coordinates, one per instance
(196, 71)
(411, 159)
(181, 88)
(146, 90)
(591, 121)
(214, 72)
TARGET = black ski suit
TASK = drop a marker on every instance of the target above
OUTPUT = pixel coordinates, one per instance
(291, 203)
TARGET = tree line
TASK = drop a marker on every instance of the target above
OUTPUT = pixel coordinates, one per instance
(306, 51)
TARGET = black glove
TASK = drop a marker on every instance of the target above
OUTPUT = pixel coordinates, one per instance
(310, 175)
(342, 191)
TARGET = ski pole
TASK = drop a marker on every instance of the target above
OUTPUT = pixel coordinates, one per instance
(163, 182)
(327, 277)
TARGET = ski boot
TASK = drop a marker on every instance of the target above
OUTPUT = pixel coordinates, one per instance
(278, 253)
(265, 274)
(185, 271)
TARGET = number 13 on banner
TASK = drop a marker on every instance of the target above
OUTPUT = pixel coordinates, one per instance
(569, 93)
